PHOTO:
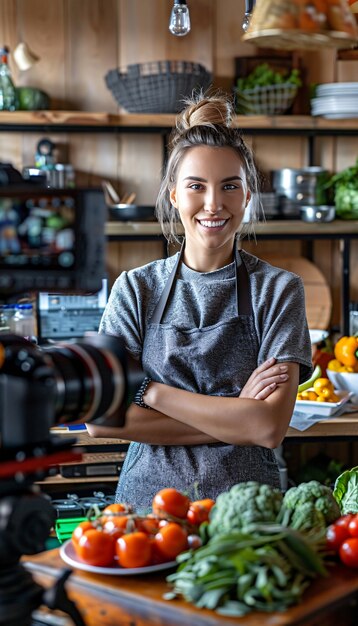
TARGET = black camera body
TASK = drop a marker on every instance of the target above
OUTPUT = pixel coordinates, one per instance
(51, 239)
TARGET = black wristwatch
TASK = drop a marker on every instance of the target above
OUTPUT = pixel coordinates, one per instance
(138, 398)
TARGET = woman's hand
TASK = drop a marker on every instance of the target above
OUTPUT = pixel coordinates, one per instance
(264, 380)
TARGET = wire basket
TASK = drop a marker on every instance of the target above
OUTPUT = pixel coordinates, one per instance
(157, 86)
(270, 100)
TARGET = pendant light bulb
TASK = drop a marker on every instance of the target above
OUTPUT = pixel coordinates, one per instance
(179, 23)
(249, 6)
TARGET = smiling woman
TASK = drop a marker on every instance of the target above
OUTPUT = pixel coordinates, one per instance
(210, 204)
(221, 335)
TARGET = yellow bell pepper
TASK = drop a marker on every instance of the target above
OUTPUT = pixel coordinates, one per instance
(336, 366)
(346, 351)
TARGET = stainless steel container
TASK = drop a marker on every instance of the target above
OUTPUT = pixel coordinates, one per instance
(318, 213)
(60, 176)
(303, 186)
(301, 178)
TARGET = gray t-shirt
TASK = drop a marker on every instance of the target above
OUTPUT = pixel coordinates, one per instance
(201, 299)
(202, 345)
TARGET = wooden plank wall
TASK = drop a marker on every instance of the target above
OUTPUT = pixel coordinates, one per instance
(78, 41)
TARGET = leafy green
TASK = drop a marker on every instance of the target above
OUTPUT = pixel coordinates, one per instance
(32, 99)
(346, 491)
(263, 76)
(266, 568)
(345, 186)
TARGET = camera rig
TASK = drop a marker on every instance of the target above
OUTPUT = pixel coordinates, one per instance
(83, 381)
(50, 240)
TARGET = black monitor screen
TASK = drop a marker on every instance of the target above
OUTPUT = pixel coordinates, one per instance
(38, 231)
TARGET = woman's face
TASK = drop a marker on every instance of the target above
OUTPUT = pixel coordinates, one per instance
(211, 195)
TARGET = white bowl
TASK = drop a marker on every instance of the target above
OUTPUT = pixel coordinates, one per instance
(317, 335)
(325, 409)
(345, 381)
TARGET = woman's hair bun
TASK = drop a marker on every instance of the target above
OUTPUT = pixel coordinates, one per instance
(203, 110)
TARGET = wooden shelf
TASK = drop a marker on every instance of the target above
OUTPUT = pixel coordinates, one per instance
(87, 480)
(82, 121)
(271, 227)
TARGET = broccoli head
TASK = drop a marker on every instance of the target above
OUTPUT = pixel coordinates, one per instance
(306, 516)
(245, 503)
(309, 505)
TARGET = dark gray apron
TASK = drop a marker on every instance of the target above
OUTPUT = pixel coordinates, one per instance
(214, 360)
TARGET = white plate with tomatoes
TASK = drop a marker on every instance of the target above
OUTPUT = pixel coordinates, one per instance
(326, 409)
(68, 554)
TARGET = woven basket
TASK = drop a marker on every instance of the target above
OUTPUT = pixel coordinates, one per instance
(270, 100)
(158, 86)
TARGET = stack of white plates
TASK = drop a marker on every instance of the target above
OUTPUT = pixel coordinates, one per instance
(336, 101)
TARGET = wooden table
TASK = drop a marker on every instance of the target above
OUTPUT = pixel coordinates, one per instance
(342, 428)
(137, 600)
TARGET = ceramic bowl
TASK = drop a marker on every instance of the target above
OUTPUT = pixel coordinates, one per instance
(317, 335)
(345, 381)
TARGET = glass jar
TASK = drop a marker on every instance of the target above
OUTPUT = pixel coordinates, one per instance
(24, 322)
(8, 96)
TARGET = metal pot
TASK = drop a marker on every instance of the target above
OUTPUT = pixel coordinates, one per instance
(301, 178)
(320, 213)
(304, 197)
(303, 186)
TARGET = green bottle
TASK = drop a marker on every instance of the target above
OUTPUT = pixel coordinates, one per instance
(8, 96)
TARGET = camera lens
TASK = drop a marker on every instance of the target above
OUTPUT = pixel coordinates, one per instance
(92, 378)
(90, 382)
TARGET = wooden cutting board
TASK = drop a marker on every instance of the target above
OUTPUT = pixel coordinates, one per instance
(317, 291)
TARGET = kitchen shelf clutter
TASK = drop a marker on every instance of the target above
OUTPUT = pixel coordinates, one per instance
(81, 122)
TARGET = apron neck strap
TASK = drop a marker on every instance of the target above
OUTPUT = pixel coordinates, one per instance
(165, 295)
(243, 293)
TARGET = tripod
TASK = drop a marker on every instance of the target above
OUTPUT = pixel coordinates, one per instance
(25, 522)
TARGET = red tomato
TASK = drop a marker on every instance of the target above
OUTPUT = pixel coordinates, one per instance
(172, 502)
(148, 525)
(199, 511)
(344, 520)
(353, 526)
(348, 552)
(335, 535)
(80, 530)
(117, 508)
(118, 525)
(170, 540)
(163, 522)
(96, 548)
(134, 550)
